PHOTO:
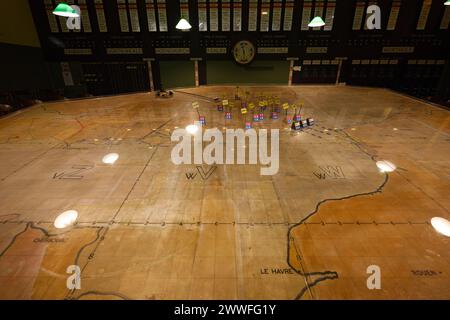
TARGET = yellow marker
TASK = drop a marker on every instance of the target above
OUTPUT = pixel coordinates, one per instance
(225, 102)
(195, 105)
(251, 105)
(285, 106)
(244, 110)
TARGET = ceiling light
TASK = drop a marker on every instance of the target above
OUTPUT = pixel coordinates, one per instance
(183, 24)
(192, 128)
(386, 166)
(441, 225)
(66, 219)
(64, 10)
(110, 158)
(447, 3)
(316, 22)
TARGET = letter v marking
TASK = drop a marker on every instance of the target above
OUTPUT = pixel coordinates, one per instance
(207, 174)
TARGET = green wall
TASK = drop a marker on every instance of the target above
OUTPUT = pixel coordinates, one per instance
(23, 68)
(16, 23)
(176, 74)
(259, 71)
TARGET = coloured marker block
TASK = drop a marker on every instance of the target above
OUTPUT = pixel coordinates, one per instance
(248, 125)
(256, 117)
(274, 115)
(228, 115)
(244, 104)
(298, 118)
(304, 123)
(261, 116)
(277, 109)
(296, 125)
(289, 119)
(220, 107)
(310, 121)
(202, 120)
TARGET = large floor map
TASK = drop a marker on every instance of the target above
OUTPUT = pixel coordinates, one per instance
(150, 229)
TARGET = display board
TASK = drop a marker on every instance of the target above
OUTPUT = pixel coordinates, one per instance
(423, 17)
(306, 14)
(276, 17)
(393, 16)
(329, 16)
(151, 15)
(202, 15)
(252, 15)
(288, 15)
(261, 71)
(171, 70)
(162, 15)
(264, 16)
(123, 16)
(101, 19)
(359, 15)
(237, 15)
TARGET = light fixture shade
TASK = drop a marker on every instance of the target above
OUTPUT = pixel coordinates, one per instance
(192, 128)
(441, 225)
(316, 22)
(183, 24)
(64, 10)
(447, 3)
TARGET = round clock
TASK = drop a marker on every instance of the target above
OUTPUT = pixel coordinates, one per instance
(244, 52)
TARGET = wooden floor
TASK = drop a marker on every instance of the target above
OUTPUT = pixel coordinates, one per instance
(146, 231)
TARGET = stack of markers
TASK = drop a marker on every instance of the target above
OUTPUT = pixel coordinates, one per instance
(262, 108)
(244, 113)
(277, 104)
(227, 107)
(298, 123)
(201, 118)
(236, 95)
(285, 107)
(274, 113)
